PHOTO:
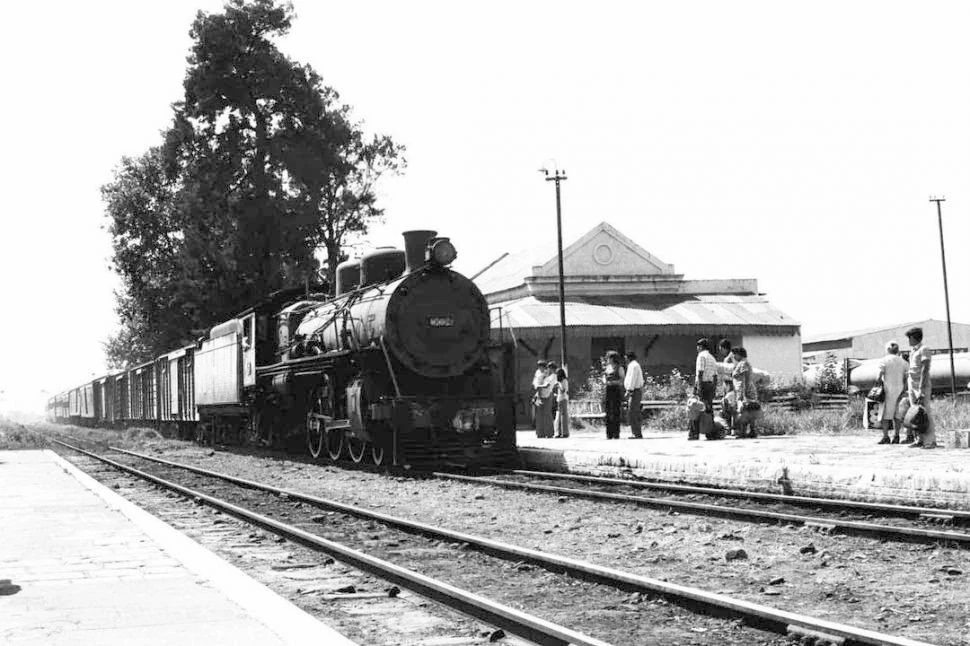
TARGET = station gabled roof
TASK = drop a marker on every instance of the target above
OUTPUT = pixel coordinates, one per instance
(602, 251)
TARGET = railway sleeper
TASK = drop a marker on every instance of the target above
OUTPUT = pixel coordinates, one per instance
(809, 637)
(939, 519)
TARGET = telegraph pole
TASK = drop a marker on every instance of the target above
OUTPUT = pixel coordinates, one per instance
(946, 295)
(558, 177)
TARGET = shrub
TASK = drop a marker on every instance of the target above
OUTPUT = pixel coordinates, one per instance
(14, 435)
(675, 386)
(830, 377)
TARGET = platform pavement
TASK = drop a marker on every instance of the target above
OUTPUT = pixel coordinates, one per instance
(848, 466)
(93, 568)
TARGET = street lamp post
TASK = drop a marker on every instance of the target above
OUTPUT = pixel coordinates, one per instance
(558, 177)
(946, 295)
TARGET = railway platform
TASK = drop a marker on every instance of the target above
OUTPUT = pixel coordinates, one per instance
(849, 466)
(79, 564)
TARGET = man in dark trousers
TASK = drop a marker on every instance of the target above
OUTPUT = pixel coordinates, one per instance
(634, 393)
(705, 379)
(920, 386)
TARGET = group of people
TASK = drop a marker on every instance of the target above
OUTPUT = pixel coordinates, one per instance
(740, 405)
(550, 400)
(622, 384)
(905, 385)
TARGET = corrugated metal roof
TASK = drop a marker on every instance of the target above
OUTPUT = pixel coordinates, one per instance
(711, 311)
(849, 334)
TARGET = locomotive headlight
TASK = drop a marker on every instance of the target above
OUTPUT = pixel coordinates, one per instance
(442, 252)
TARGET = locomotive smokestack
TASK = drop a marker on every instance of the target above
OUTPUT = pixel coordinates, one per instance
(415, 243)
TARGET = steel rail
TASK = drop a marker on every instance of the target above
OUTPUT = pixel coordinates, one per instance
(779, 621)
(520, 623)
(869, 507)
(911, 534)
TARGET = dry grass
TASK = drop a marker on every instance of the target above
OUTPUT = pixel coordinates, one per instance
(949, 415)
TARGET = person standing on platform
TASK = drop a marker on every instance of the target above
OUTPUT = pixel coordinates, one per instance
(728, 398)
(544, 420)
(746, 389)
(892, 376)
(613, 376)
(920, 386)
(705, 378)
(561, 425)
(633, 382)
(537, 380)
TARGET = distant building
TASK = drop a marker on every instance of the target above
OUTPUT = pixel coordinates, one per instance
(871, 343)
(621, 297)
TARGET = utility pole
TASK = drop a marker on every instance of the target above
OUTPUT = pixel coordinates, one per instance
(557, 177)
(946, 295)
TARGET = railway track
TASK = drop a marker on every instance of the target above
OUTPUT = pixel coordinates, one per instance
(838, 504)
(809, 629)
(516, 622)
(525, 481)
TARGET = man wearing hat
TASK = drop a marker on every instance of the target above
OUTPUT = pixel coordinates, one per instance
(705, 378)
(920, 387)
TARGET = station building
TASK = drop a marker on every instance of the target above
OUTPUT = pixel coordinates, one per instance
(621, 297)
(870, 343)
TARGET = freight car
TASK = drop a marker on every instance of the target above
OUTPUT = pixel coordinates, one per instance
(397, 366)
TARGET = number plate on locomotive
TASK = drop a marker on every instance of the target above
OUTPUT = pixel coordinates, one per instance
(441, 321)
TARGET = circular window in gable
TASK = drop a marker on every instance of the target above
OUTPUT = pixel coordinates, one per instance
(603, 254)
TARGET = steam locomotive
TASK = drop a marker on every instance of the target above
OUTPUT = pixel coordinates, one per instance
(397, 367)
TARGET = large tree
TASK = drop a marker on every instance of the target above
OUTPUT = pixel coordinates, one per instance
(261, 165)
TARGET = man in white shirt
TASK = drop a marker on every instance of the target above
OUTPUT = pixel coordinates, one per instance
(920, 386)
(634, 393)
(538, 379)
(705, 379)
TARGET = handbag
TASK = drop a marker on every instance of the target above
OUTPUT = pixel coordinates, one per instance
(876, 394)
(694, 407)
(916, 418)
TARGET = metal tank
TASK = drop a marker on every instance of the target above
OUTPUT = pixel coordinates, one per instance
(381, 265)
(348, 277)
(863, 374)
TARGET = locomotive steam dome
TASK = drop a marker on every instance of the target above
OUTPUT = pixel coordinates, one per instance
(437, 323)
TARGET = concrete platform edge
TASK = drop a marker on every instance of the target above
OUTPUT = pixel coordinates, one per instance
(865, 484)
(288, 621)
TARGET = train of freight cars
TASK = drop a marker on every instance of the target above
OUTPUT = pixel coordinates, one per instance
(396, 367)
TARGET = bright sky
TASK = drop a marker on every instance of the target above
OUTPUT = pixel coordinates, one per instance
(793, 143)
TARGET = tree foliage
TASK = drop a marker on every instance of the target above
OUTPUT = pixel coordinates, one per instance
(261, 165)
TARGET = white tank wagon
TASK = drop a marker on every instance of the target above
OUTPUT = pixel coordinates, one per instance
(864, 373)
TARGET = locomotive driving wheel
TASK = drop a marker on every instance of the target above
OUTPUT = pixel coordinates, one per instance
(357, 448)
(378, 454)
(319, 409)
(335, 443)
(380, 450)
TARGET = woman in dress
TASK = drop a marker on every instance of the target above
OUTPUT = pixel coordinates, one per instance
(544, 402)
(613, 375)
(561, 425)
(892, 375)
